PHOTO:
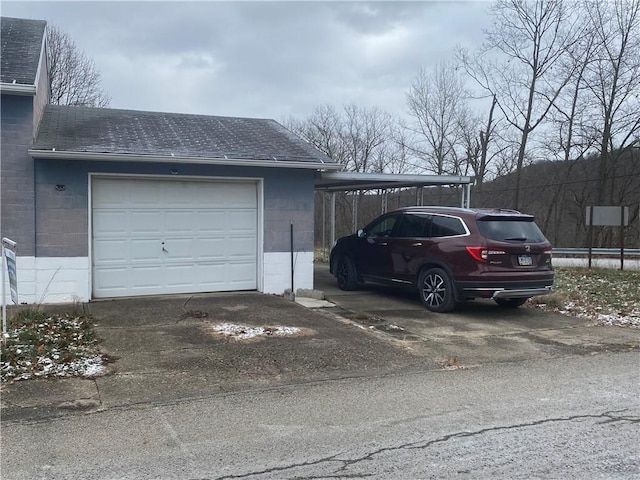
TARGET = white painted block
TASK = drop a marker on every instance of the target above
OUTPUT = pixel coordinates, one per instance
(277, 271)
(51, 280)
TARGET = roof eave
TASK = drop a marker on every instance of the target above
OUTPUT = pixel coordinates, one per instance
(127, 157)
(17, 89)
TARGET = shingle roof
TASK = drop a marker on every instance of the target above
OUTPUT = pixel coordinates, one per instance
(129, 132)
(21, 48)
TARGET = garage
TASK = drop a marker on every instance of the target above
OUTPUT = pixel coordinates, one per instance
(159, 236)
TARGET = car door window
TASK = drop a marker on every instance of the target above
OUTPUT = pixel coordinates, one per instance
(412, 226)
(383, 227)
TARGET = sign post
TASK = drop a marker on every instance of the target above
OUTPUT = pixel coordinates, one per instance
(9, 259)
(604, 216)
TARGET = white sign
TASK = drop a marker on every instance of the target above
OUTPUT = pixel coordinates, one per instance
(8, 248)
(608, 216)
(13, 276)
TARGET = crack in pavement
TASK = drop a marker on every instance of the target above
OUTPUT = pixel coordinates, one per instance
(606, 417)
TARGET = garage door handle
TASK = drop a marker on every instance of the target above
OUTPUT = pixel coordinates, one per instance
(164, 250)
(418, 244)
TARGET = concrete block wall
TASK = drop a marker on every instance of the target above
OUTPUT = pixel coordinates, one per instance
(62, 214)
(17, 195)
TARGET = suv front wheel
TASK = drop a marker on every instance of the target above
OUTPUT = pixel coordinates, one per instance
(346, 274)
(436, 290)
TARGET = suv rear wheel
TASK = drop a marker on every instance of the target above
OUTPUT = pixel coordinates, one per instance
(346, 274)
(436, 290)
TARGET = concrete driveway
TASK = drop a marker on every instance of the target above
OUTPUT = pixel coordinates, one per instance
(165, 348)
(475, 333)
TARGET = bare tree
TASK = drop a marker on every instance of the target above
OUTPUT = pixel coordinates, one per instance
(435, 101)
(73, 77)
(530, 38)
(360, 138)
(363, 140)
(481, 144)
(613, 78)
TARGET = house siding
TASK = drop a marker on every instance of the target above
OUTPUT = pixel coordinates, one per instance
(17, 201)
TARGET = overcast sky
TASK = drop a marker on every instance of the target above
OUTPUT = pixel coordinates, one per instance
(261, 59)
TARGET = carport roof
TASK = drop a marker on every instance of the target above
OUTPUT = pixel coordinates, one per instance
(348, 181)
(85, 133)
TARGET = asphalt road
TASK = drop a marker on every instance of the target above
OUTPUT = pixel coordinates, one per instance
(571, 417)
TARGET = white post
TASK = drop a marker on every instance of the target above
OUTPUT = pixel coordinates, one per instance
(4, 300)
(333, 220)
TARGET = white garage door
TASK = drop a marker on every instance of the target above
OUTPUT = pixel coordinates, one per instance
(160, 236)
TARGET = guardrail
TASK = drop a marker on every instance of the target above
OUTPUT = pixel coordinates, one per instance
(610, 252)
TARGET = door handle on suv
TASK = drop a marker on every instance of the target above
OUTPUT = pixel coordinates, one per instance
(417, 244)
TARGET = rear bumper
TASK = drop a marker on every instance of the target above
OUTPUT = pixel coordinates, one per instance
(524, 293)
(524, 289)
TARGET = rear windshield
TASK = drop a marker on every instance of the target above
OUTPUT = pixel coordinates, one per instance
(506, 230)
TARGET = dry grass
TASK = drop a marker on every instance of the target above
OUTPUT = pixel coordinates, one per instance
(607, 296)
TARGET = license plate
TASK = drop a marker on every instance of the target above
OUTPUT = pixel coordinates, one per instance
(525, 260)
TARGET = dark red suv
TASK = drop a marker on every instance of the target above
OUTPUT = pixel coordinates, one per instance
(450, 255)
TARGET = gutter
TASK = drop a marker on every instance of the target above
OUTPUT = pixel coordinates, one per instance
(126, 157)
(17, 89)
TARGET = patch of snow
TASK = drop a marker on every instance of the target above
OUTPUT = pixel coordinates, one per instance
(92, 366)
(631, 320)
(244, 332)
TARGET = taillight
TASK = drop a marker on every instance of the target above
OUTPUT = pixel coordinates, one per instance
(481, 254)
(548, 251)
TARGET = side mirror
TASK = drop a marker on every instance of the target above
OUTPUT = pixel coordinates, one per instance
(361, 234)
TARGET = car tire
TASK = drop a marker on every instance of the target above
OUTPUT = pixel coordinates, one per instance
(436, 290)
(510, 302)
(346, 274)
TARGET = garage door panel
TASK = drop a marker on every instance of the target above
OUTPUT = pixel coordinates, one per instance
(181, 249)
(212, 248)
(211, 221)
(180, 274)
(180, 194)
(111, 194)
(241, 247)
(111, 279)
(110, 250)
(180, 221)
(109, 222)
(145, 250)
(149, 276)
(211, 275)
(241, 220)
(209, 230)
(144, 222)
(239, 274)
(142, 193)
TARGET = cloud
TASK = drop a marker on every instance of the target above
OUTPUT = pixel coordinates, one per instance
(260, 59)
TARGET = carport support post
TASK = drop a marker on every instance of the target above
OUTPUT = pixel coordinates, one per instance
(333, 219)
(621, 237)
(466, 195)
(324, 226)
(354, 210)
(292, 268)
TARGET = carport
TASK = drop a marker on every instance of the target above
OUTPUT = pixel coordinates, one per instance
(333, 182)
